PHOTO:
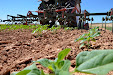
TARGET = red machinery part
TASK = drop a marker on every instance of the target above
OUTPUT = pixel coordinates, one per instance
(61, 10)
(44, 15)
(40, 11)
(75, 9)
(62, 14)
(84, 13)
(111, 12)
(29, 13)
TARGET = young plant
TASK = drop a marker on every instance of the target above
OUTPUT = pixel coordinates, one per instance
(98, 62)
(58, 66)
(53, 28)
(86, 38)
(68, 28)
(40, 29)
(30, 70)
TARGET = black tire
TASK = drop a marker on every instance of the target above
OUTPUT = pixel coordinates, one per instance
(51, 24)
(71, 22)
(79, 25)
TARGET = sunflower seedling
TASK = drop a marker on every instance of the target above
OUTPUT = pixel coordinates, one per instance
(90, 36)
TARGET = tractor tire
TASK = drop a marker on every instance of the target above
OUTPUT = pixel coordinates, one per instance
(72, 22)
(51, 24)
(79, 25)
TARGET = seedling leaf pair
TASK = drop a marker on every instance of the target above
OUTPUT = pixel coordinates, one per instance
(58, 64)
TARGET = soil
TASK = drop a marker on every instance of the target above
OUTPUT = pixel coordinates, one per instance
(100, 24)
(18, 48)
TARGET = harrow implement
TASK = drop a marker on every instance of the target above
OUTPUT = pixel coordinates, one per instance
(66, 12)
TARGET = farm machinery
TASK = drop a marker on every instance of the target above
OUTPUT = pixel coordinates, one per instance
(66, 12)
(0, 20)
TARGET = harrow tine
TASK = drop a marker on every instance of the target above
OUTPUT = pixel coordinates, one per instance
(112, 25)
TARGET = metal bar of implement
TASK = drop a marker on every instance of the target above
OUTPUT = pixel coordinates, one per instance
(112, 26)
(0, 20)
(87, 14)
(22, 16)
(105, 24)
(91, 23)
(98, 14)
(102, 23)
(11, 16)
(6, 20)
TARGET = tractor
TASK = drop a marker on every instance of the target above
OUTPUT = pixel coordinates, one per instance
(60, 10)
(66, 12)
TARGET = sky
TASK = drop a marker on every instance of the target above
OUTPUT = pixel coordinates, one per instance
(14, 7)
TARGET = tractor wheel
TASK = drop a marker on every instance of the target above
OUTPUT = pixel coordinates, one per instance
(86, 26)
(79, 25)
(51, 24)
(72, 22)
(47, 22)
(44, 22)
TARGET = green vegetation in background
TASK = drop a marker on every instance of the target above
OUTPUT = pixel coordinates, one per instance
(15, 27)
(54, 28)
(70, 28)
(108, 28)
(39, 29)
(98, 62)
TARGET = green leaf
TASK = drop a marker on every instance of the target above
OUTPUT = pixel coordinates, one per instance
(46, 63)
(14, 73)
(76, 40)
(34, 72)
(54, 67)
(60, 64)
(56, 60)
(82, 37)
(64, 73)
(98, 62)
(42, 72)
(83, 40)
(62, 54)
(93, 40)
(31, 67)
(30, 70)
(81, 45)
(24, 72)
(66, 65)
(96, 34)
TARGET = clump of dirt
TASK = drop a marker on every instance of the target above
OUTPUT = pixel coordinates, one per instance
(18, 48)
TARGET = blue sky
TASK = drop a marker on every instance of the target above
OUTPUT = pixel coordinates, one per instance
(14, 7)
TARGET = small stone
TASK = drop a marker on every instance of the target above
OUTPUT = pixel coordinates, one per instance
(33, 51)
(1, 67)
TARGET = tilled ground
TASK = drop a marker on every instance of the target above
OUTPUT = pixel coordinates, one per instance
(19, 47)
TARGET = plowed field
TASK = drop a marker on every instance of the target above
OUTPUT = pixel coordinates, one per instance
(18, 48)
